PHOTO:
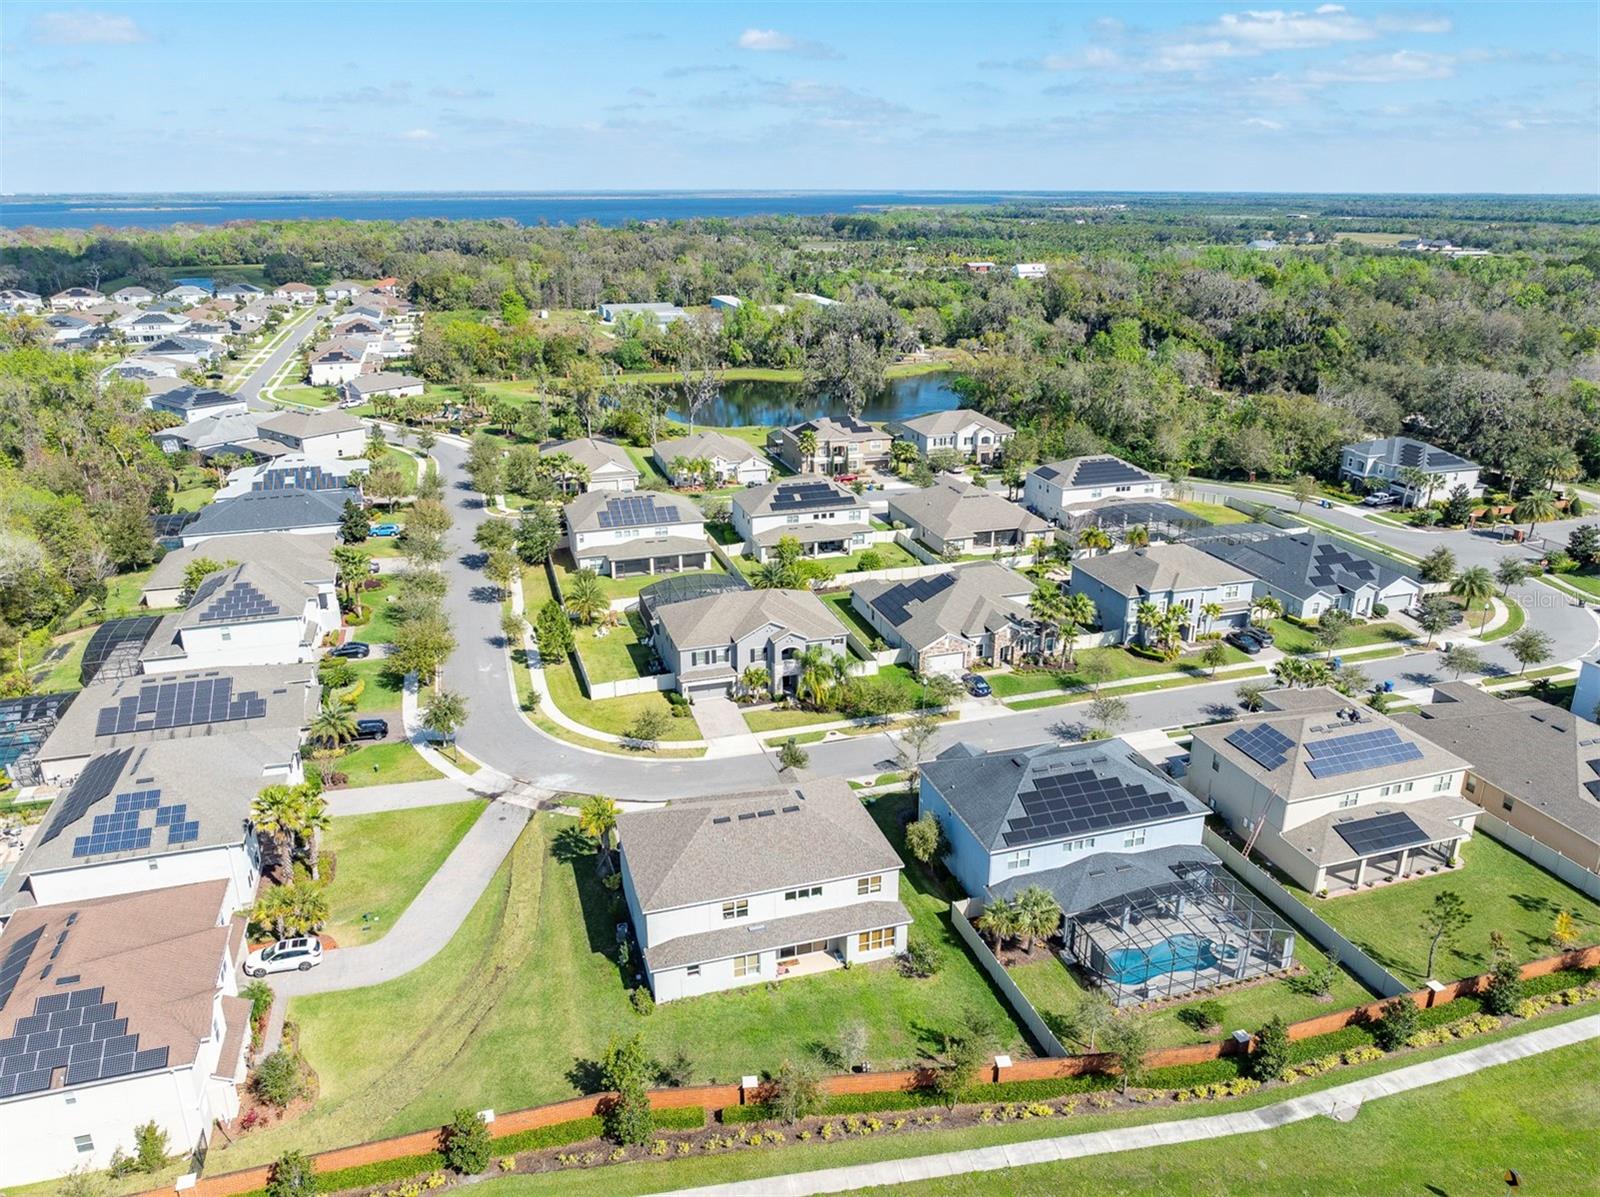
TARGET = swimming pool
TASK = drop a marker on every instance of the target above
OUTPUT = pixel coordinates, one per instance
(1179, 954)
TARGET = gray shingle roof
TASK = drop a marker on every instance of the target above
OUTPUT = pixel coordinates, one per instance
(244, 593)
(953, 508)
(718, 619)
(830, 496)
(1065, 474)
(688, 853)
(383, 380)
(599, 457)
(705, 444)
(948, 423)
(1103, 876)
(1160, 568)
(1301, 563)
(993, 792)
(1539, 754)
(743, 937)
(1404, 451)
(305, 424)
(966, 601)
(273, 511)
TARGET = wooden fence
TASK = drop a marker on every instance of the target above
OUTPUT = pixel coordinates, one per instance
(718, 1097)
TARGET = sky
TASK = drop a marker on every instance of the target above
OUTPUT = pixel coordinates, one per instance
(384, 96)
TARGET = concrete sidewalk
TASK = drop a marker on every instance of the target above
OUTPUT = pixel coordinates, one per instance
(1342, 1102)
(407, 795)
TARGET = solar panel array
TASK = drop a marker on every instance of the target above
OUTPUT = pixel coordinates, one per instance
(1106, 471)
(1329, 560)
(1411, 454)
(16, 963)
(162, 705)
(99, 778)
(1081, 801)
(807, 496)
(636, 511)
(893, 603)
(239, 601)
(1264, 744)
(304, 477)
(1362, 750)
(1382, 833)
(77, 1031)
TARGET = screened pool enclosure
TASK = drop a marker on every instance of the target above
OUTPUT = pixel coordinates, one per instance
(1202, 929)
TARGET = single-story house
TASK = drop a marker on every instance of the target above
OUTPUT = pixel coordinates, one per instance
(606, 465)
(193, 403)
(729, 460)
(133, 295)
(302, 512)
(385, 384)
(954, 516)
(76, 299)
(953, 621)
(662, 314)
(298, 294)
(1309, 572)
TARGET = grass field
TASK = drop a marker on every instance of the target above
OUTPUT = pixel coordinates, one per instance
(1292, 638)
(620, 588)
(381, 692)
(385, 764)
(889, 556)
(1213, 513)
(1118, 663)
(1450, 1139)
(622, 652)
(840, 603)
(613, 715)
(909, 693)
(1054, 991)
(63, 673)
(384, 860)
(518, 1006)
(1503, 892)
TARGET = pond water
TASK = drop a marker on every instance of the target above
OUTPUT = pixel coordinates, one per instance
(777, 404)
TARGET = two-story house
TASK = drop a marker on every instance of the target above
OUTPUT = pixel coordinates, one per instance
(309, 558)
(1169, 576)
(831, 445)
(952, 621)
(708, 642)
(320, 435)
(759, 888)
(972, 434)
(146, 328)
(76, 299)
(954, 516)
(825, 518)
(116, 1012)
(335, 364)
(1337, 796)
(1310, 572)
(625, 535)
(191, 403)
(727, 460)
(250, 613)
(301, 512)
(1055, 489)
(1386, 464)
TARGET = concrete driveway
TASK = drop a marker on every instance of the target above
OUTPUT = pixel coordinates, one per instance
(719, 717)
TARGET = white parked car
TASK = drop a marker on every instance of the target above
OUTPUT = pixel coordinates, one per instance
(287, 955)
(1383, 498)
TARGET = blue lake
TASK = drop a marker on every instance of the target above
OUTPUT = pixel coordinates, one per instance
(776, 404)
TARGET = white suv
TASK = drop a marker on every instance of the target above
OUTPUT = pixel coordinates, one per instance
(287, 955)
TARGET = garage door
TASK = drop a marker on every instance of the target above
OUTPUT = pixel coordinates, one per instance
(944, 663)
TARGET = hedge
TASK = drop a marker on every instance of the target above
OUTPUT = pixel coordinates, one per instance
(559, 1134)
(1186, 1076)
(1461, 1007)
(916, 1099)
(1355, 1035)
(680, 1118)
(1565, 978)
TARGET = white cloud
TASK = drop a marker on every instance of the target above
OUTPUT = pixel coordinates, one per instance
(419, 135)
(1261, 122)
(1402, 66)
(79, 28)
(770, 41)
(1274, 29)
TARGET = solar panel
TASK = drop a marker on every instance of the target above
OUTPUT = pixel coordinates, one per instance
(1382, 833)
(1361, 750)
(809, 496)
(98, 779)
(1411, 454)
(893, 603)
(633, 511)
(241, 601)
(162, 705)
(1080, 802)
(124, 830)
(1263, 743)
(15, 964)
(1329, 560)
(1106, 471)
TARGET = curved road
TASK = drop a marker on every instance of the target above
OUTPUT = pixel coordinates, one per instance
(497, 735)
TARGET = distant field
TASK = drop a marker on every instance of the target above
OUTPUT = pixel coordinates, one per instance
(1381, 240)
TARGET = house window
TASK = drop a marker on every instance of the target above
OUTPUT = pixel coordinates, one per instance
(1020, 860)
(875, 941)
(1507, 803)
(1080, 845)
(1134, 838)
(1347, 800)
(1472, 784)
(747, 966)
(869, 885)
(84, 1143)
(736, 910)
(1443, 782)
(692, 971)
(798, 895)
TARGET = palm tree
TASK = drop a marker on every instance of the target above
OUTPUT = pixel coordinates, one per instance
(273, 909)
(1417, 480)
(818, 673)
(1148, 616)
(314, 820)
(276, 813)
(333, 725)
(1210, 612)
(1045, 605)
(998, 922)
(1475, 584)
(1536, 508)
(306, 906)
(1509, 572)
(807, 441)
(597, 819)
(1038, 915)
(586, 598)
(1290, 671)
(773, 574)
(1077, 612)
(1138, 536)
(1267, 605)
(1169, 633)
(1096, 540)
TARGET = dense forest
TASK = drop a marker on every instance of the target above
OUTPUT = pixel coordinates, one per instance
(1155, 334)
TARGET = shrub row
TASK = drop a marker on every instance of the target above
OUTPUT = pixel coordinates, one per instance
(679, 1118)
(1186, 1076)
(1462, 1007)
(916, 1099)
(365, 1175)
(556, 1135)
(1565, 978)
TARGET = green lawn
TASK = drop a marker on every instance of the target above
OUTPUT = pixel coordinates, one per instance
(306, 396)
(1589, 582)
(381, 693)
(889, 556)
(517, 1007)
(1515, 618)
(406, 462)
(193, 488)
(841, 605)
(614, 715)
(1119, 663)
(62, 673)
(1503, 892)
(384, 860)
(1292, 638)
(1213, 513)
(1054, 990)
(385, 764)
(907, 686)
(624, 588)
(615, 654)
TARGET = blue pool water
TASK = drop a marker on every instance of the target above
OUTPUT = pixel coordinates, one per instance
(1181, 953)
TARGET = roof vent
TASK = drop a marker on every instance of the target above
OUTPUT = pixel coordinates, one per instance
(747, 815)
(722, 819)
(69, 979)
(790, 810)
(765, 814)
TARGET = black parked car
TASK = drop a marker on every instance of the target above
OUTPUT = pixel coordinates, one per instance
(1260, 635)
(372, 729)
(975, 685)
(355, 650)
(1244, 642)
